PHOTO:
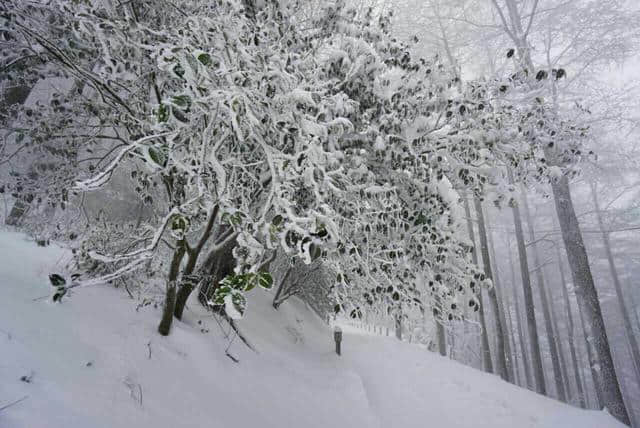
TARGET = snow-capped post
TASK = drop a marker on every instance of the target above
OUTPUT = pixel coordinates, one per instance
(337, 336)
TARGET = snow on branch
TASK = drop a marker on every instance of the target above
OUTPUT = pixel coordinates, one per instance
(102, 178)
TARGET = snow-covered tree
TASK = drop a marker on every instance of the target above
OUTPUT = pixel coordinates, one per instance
(249, 132)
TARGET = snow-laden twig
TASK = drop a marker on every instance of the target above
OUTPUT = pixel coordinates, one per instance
(102, 177)
(145, 252)
(6, 406)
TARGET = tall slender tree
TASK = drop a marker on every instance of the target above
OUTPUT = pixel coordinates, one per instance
(487, 364)
(521, 336)
(503, 312)
(517, 23)
(536, 356)
(559, 342)
(500, 329)
(553, 349)
(571, 332)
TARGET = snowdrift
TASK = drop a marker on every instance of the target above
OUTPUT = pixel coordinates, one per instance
(94, 361)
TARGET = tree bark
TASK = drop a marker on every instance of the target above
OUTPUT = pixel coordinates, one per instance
(189, 283)
(570, 328)
(555, 359)
(587, 296)
(593, 362)
(170, 298)
(486, 351)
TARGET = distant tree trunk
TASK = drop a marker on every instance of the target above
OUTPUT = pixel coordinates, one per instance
(499, 320)
(570, 328)
(555, 360)
(499, 304)
(517, 379)
(513, 349)
(536, 359)
(486, 351)
(587, 296)
(633, 343)
(585, 386)
(559, 341)
(523, 343)
(586, 293)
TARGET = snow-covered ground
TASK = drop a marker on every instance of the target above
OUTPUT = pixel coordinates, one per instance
(94, 361)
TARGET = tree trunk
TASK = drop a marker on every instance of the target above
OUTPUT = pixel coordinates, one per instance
(189, 281)
(442, 342)
(555, 359)
(558, 340)
(586, 293)
(587, 296)
(497, 300)
(570, 328)
(486, 351)
(515, 366)
(523, 344)
(170, 298)
(593, 362)
(536, 360)
(559, 344)
(633, 343)
(398, 324)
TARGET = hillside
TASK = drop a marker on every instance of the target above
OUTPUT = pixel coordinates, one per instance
(94, 361)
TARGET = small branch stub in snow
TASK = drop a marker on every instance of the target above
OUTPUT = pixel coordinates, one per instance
(337, 336)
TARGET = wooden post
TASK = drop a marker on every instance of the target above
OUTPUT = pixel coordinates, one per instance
(337, 337)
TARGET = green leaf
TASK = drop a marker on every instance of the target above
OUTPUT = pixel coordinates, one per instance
(239, 302)
(178, 70)
(180, 223)
(250, 281)
(220, 293)
(163, 113)
(182, 101)
(204, 58)
(265, 280)
(158, 156)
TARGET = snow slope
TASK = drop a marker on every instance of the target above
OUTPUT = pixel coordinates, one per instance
(94, 361)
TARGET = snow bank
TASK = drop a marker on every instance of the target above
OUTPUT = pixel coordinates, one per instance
(94, 361)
